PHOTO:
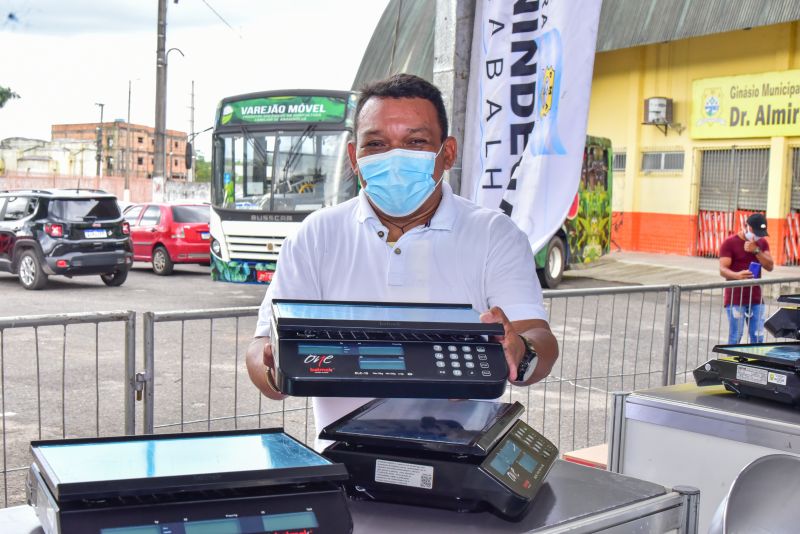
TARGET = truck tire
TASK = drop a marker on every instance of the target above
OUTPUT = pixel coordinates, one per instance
(554, 264)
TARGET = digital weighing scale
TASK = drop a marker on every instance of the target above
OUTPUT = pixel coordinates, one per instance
(242, 482)
(369, 349)
(465, 455)
(765, 370)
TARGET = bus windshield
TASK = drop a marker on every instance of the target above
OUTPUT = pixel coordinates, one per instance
(282, 170)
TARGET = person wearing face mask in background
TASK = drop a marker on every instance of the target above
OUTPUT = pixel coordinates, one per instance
(407, 238)
(742, 256)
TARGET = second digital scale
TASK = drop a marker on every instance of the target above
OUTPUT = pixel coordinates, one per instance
(368, 349)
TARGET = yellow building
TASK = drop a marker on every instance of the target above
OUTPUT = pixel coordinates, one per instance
(732, 144)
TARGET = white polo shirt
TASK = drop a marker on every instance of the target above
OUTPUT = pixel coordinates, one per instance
(466, 254)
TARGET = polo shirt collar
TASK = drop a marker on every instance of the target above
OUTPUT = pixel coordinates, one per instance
(443, 219)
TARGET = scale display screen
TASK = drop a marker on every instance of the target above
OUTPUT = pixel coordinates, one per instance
(456, 422)
(377, 312)
(788, 354)
(184, 456)
(291, 522)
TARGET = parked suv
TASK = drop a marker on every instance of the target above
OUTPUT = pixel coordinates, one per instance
(71, 232)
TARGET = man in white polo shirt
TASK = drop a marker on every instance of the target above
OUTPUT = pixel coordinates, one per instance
(407, 238)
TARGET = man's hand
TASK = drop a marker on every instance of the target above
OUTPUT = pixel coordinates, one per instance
(513, 347)
(750, 246)
(537, 331)
(260, 361)
(744, 275)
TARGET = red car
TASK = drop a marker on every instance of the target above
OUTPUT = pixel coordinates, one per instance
(166, 234)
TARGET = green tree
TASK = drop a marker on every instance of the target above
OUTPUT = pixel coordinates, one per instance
(6, 94)
(202, 169)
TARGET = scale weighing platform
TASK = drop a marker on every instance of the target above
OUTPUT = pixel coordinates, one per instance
(369, 349)
(242, 482)
(465, 455)
(765, 370)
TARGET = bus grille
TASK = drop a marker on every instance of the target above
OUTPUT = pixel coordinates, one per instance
(255, 248)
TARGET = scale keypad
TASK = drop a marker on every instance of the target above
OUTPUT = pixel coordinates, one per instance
(462, 360)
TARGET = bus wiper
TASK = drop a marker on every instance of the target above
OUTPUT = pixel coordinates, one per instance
(294, 153)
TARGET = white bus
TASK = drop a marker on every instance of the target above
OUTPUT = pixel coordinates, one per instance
(277, 156)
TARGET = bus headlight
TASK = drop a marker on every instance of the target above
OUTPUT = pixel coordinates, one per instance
(215, 248)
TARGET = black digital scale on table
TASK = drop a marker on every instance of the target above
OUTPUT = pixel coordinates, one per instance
(243, 482)
(765, 370)
(465, 455)
(370, 349)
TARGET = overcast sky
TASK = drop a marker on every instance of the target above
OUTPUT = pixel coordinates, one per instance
(63, 56)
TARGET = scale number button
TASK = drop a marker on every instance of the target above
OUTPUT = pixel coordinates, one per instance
(469, 365)
(480, 349)
(438, 356)
(437, 348)
(452, 348)
(486, 373)
(439, 364)
(468, 356)
(482, 357)
(455, 364)
(484, 365)
(456, 372)
(453, 356)
(466, 348)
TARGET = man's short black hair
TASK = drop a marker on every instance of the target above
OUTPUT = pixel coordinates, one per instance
(404, 86)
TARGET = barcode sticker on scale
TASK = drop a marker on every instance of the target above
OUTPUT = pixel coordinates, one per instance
(751, 374)
(403, 474)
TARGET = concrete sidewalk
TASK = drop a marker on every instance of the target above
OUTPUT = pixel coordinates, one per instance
(652, 269)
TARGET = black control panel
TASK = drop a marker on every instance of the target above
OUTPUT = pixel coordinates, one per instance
(521, 460)
(343, 357)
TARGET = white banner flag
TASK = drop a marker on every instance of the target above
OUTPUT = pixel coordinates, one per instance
(527, 107)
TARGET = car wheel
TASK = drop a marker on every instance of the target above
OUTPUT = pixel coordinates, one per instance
(162, 263)
(117, 278)
(30, 271)
(555, 263)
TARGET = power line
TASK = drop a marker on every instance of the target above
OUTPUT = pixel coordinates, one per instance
(220, 17)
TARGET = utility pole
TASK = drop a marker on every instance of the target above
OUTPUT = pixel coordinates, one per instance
(159, 168)
(99, 156)
(126, 194)
(191, 136)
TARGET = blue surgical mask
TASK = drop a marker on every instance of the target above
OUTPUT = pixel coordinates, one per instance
(750, 236)
(399, 181)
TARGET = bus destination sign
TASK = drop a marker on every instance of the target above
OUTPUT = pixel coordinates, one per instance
(283, 109)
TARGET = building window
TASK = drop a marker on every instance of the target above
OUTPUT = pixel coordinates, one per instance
(620, 160)
(662, 161)
(176, 144)
(140, 161)
(152, 142)
(151, 161)
(140, 139)
(174, 162)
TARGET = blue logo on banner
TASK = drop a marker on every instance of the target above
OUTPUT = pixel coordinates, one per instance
(545, 140)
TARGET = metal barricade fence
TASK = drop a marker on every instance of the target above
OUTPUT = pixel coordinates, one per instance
(62, 376)
(197, 379)
(194, 377)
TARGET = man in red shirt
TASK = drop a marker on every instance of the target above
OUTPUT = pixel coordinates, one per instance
(744, 304)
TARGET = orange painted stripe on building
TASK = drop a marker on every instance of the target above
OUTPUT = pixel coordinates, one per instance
(662, 233)
(665, 233)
